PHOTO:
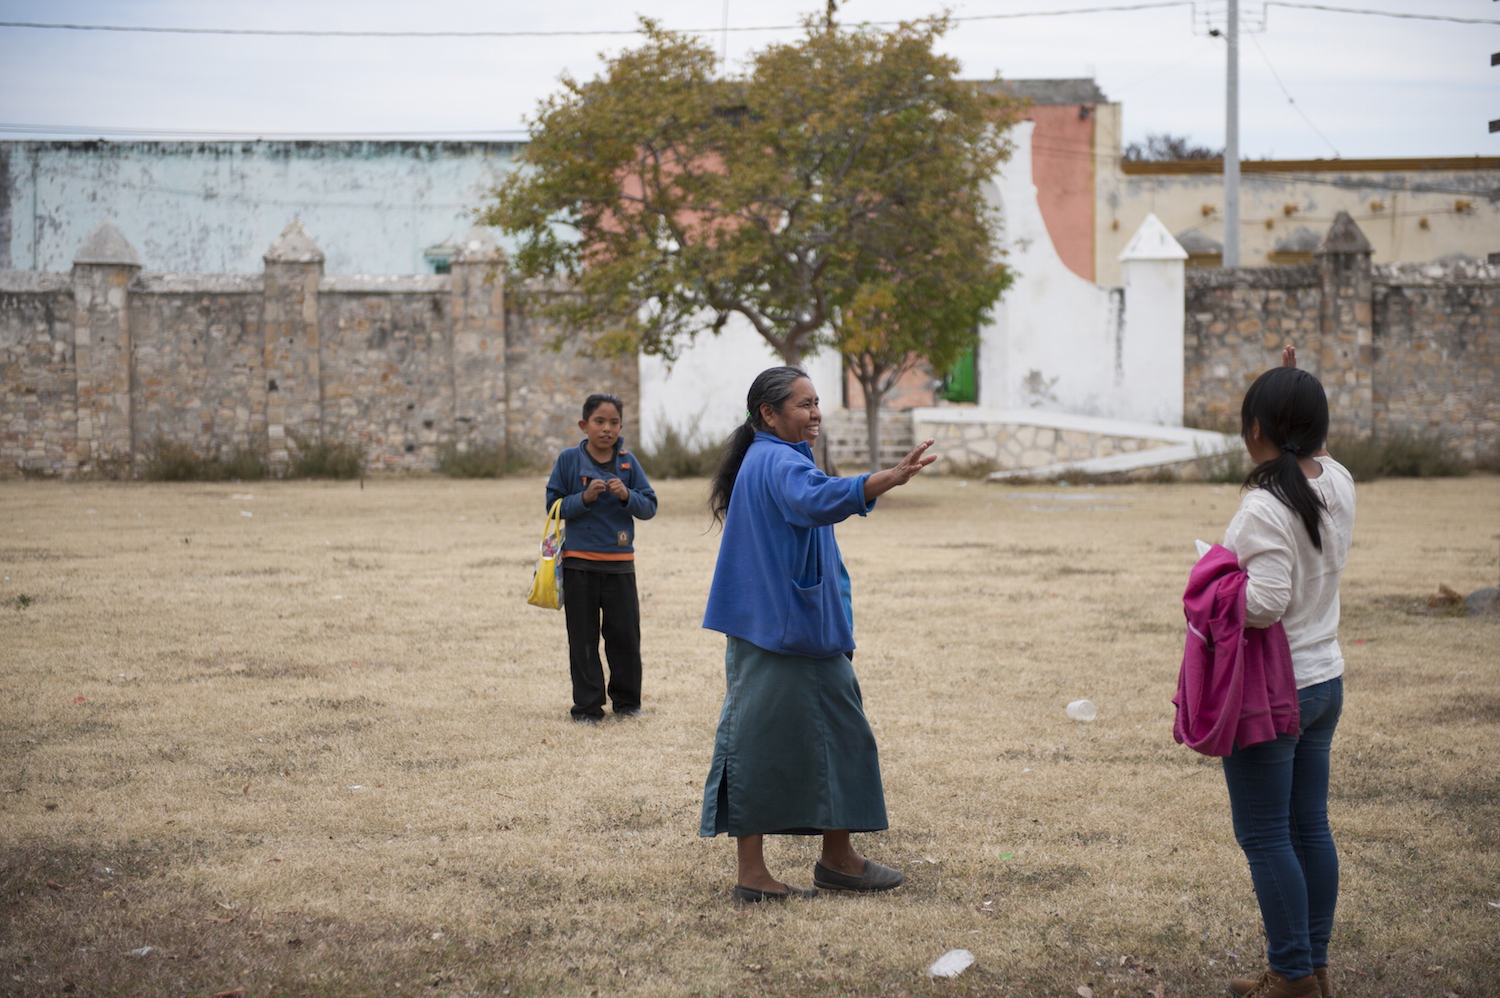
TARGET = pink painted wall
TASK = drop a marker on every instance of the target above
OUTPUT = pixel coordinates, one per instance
(1062, 164)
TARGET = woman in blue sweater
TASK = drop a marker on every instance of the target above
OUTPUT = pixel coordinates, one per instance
(794, 754)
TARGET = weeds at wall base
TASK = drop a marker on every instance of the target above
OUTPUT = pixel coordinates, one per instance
(1228, 466)
(980, 469)
(165, 460)
(680, 454)
(325, 458)
(474, 461)
(1401, 456)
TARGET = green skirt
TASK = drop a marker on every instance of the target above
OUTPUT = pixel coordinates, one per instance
(794, 754)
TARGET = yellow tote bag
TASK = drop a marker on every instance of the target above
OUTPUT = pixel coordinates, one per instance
(547, 582)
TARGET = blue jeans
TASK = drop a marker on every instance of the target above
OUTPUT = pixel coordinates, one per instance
(1278, 793)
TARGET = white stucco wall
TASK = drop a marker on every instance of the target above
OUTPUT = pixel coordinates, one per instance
(1150, 362)
(706, 386)
(1052, 340)
(1060, 343)
(214, 207)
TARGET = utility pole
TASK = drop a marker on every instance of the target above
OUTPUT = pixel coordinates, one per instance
(1232, 140)
(1494, 61)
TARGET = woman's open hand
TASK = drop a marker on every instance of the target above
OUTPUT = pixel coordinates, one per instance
(913, 463)
(883, 481)
(1288, 356)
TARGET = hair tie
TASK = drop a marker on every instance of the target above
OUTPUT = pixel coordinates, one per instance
(1289, 448)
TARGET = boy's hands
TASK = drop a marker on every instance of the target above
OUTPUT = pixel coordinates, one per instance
(597, 486)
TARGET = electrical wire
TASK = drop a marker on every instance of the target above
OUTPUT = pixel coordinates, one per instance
(573, 33)
(1383, 13)
(576, 33)
(1295, 106)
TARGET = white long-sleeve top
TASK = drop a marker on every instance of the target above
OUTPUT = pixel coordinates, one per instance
(1290, 580)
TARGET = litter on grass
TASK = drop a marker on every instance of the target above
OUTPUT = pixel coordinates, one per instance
(951, 963)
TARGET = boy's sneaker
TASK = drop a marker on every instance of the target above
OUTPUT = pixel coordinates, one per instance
(629, 712)
(590, 719)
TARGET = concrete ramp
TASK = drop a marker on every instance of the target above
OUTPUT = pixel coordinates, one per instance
(1031, 443)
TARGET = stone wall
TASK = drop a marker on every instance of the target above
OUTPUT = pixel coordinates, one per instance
(197, 343)
(1236, 323)
(95, 363)
(552, 381)
(1437, 340)
(39, 376)
(1400, 348)
(970, 440)
(849, 438)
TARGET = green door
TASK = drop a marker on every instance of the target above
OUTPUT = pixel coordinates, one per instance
(960, 382)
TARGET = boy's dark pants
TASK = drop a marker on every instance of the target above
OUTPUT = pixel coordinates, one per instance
(587, 596)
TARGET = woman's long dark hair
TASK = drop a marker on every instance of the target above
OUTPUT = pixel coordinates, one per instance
(1292, 410)
(772, 387)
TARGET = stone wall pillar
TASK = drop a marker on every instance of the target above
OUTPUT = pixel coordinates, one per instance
(477, 311)
(293, 372)
(102, 272)
(1346, 355)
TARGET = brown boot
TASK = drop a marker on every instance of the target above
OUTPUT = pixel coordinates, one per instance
(1324, 988)
(1241, 986)
(1272, 985)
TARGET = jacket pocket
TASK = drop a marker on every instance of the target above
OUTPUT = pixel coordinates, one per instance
(807, 627)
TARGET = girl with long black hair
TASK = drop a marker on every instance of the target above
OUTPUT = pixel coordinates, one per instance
(794, 754)
(1291, 536)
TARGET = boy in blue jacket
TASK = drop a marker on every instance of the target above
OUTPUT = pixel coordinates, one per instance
(603, 492)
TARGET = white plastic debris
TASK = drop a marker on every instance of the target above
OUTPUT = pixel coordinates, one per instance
(246, 512)
(143, 951)
(1082, 710)
(951, 963)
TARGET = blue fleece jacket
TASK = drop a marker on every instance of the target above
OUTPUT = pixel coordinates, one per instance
(606, 525)
(777, 583)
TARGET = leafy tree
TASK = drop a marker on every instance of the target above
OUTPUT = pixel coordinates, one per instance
(837, 179)
(1165, 147)
(926, 306)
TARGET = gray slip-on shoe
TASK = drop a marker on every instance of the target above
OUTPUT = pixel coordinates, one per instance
(754, 896)
(874, 878)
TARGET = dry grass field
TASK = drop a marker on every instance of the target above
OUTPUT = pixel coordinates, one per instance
(308, 739)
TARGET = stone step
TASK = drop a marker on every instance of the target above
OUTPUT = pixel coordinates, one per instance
(848, 438)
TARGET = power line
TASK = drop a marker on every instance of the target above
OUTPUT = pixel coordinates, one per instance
(576, 33)
(573, 33)
(1297, 107)
(1383, 13)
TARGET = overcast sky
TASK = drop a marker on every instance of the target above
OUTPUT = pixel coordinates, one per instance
(1373, 86)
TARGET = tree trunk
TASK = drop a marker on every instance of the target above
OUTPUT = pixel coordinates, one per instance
(872, 427)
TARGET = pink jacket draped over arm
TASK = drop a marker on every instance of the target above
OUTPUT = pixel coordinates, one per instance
(1236, 685)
